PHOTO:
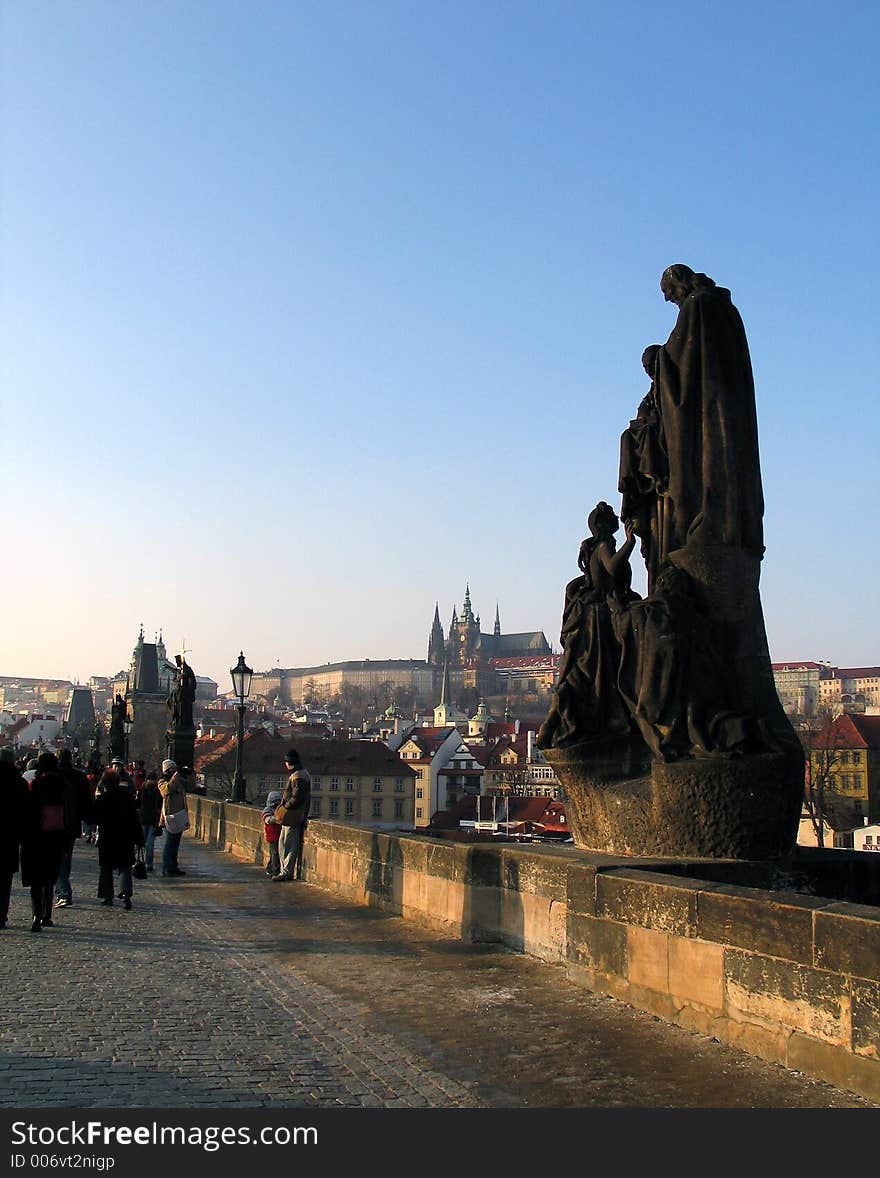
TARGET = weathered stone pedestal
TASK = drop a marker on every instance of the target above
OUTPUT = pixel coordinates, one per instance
(181, 746)
(618, 801)
(149, 721)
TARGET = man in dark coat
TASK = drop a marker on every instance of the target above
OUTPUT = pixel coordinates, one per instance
(43, 838)
(296, 800)
(13, 807)
(77, 810)
(119, 832)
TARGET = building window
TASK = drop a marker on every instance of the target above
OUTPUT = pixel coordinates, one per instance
(263, 783)
(315, 808)
(334, 806)
(316, 784)
(334, 783)
(419, 792)
(377, 785)
(349, 807)
(377, 807)
(398, 813)
(349, 784)
(398, 784)
(857, 758)
(418, 811)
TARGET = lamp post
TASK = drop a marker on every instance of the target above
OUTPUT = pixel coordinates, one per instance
(241, 684)
(127, 725)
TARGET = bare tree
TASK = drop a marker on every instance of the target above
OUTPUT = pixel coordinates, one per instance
(821, 744)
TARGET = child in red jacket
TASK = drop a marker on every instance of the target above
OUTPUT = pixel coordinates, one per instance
(272, 832)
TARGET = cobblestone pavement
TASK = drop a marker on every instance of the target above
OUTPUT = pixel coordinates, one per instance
(221, 989)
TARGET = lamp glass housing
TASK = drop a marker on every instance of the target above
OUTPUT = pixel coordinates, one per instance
(241, 679)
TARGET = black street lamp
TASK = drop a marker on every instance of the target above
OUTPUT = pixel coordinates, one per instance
(127, 725)
(241, 685)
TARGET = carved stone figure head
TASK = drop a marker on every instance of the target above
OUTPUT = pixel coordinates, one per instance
(603, 521)
(676, 283)
(649, 359)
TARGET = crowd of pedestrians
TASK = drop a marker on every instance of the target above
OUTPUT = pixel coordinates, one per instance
(47, 803)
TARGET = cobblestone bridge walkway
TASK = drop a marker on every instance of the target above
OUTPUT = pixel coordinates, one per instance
(224, 990)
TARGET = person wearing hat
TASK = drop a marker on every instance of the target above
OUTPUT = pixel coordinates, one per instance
(271, 831)
(295, 799)
(173, 785)
(118, 767)
(13, 807)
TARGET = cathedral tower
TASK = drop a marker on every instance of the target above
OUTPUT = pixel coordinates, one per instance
(436, 643)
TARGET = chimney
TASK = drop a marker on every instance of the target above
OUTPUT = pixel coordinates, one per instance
(530, 746)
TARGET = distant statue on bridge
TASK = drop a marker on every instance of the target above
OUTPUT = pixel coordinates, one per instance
(117, 727)
(180, 701)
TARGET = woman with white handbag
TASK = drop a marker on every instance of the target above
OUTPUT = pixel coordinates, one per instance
(173, 786)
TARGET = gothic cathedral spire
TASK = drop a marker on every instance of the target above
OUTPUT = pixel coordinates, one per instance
(436, 643)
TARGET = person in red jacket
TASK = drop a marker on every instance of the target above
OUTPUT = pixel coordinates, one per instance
(272, 831)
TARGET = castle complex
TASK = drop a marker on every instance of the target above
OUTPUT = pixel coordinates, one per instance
(466, 644)
(485, 663)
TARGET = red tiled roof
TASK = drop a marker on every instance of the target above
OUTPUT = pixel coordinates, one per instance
(501, 728)
(868, 727)
(797, 666)
(537, 811)
(265, 753)
(859, 672)
(479, 753)
(850, 730)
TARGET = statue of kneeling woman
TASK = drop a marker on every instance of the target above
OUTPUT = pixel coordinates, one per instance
(638, 666)
(586, 701)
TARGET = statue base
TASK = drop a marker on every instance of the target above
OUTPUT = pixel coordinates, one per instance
(619, 801)
(181, 746)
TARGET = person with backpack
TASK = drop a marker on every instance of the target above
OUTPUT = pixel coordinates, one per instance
(119, 832)
(44, 837)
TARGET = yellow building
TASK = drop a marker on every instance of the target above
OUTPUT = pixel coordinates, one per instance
(844, 764)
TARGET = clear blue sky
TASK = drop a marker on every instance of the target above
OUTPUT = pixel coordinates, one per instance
(314, 312)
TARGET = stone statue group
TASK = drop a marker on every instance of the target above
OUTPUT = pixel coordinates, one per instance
(687, 668)
(180, 701)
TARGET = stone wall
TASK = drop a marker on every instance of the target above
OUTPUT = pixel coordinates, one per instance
(790, 977)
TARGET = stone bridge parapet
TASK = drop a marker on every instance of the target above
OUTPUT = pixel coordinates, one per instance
(739, 951)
